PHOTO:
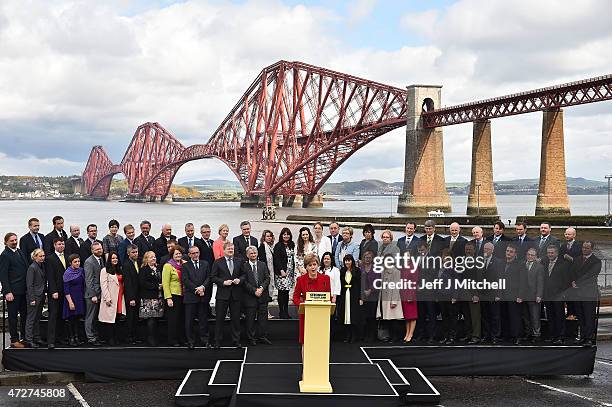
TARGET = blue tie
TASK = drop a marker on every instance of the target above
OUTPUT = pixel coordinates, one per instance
(37, 240)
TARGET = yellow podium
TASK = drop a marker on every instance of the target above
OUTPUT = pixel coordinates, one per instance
(315, 374)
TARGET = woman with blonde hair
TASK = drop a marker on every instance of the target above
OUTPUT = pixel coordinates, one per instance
(173, 294)
(322, 242)
(389, 301)
(149, 289)
(218, 244)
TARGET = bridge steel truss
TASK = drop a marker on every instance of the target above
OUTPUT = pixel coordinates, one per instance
(570, 94)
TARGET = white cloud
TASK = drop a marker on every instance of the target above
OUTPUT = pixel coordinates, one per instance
(36, 166)
(358, 10)
(81, 71)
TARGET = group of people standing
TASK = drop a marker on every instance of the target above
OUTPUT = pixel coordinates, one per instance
(126, 279)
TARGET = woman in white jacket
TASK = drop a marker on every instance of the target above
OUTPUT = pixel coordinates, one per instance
(322, 242)
(328, 268)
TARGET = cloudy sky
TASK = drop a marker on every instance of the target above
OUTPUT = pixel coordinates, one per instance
(78, 73)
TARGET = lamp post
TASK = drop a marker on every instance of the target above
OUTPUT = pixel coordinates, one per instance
(608, 177)
(478, 199)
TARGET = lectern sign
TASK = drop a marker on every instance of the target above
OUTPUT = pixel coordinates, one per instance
(317, 297)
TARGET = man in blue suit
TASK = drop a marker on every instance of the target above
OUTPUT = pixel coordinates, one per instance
(409, 242)
(13, 270)
(32, 240)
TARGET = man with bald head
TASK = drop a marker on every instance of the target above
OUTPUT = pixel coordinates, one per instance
(570, 250)
(160, 247)
(455, 242)
(74, 242)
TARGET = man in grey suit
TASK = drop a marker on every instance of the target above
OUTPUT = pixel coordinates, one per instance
(545, 239)
(532, 293)
(255, 297)
(93, 266)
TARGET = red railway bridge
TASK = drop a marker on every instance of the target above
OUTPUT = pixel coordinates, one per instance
(297, 123)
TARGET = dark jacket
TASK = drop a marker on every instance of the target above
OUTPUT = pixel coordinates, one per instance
(542, 248)
(55, 274)
(279, 255)
(160, 247)
(122, 249)
(13, 270)
(36, 281)
(72, 247)
(500, 247)
(513, 272)
(458, 248)
(145, 244)
(523, 246)
(240, 246)
(131, 283)
(27, 244)
(85, 251)
(249, 299)
(584, 274)
(411, 248)
(437, 244)
(193, 278)
(355, 295)
(574, 251)
(365, 246)
(492, 272)
(558, 281)
(206, 252)
(220, 273)
(184, 243)
(148, 283)
(48, 243)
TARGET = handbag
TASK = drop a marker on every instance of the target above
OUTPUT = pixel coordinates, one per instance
(382, 331)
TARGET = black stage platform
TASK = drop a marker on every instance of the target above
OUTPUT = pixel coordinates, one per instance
(146, 363)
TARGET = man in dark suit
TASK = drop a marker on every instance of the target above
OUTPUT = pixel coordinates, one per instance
(227, 274)
(435, 242)
(58, 231)
(570, 250)
(557, 280)
(130, 239)
(206, 250)
(56, 266)
(144, 241)
(455, 242)
(522, 241)
(189, 240)
(334, 236)
(490, 301)
(513, 272)
(532, 293)
(499, 240)
(479, 241)
(255, 297)
(13, 270)
(244, 240)
(166, 258)
(197, 290)
(160, 247)
(32, 240)
(585, 271)
(426, 300)
(74, 242)
(545, 239)
(409, 242)
(130, 270)
(92, 237)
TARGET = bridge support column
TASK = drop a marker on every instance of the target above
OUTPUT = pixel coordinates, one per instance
(312, 201)
(424, 185)
(552, 194)
(481, 199)
(252, 201)
(292, 201)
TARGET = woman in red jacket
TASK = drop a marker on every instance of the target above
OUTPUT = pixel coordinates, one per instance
(312, 281)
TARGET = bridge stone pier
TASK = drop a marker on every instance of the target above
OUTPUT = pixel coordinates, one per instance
(292, 201)
(424, 184)
(481, 198)
(552, 194)
(312, 201)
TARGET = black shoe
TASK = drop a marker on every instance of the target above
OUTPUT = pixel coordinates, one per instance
(175, 345)
(51, 346)
(217, 347)
(264, 340)
(237, 345)
(474, 341)
(558, 341)
(517, 341)
(442, 341)
(549, 340)
(534, 339)
(588, 342)
(253, 342)
(112, 342)
(32, 345)
(94, 342)
(464, 339)
(430, 341)
(191, 346)
(450, 341)
(494, 341)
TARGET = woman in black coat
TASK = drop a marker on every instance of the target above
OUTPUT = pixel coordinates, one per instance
(284, 270)
(151, 301)
(349, 301)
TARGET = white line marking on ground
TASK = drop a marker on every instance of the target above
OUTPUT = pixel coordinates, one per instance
(601, 403)
(77, 395)
(604, 363)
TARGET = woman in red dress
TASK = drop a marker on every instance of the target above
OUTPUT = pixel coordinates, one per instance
(312, 281)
